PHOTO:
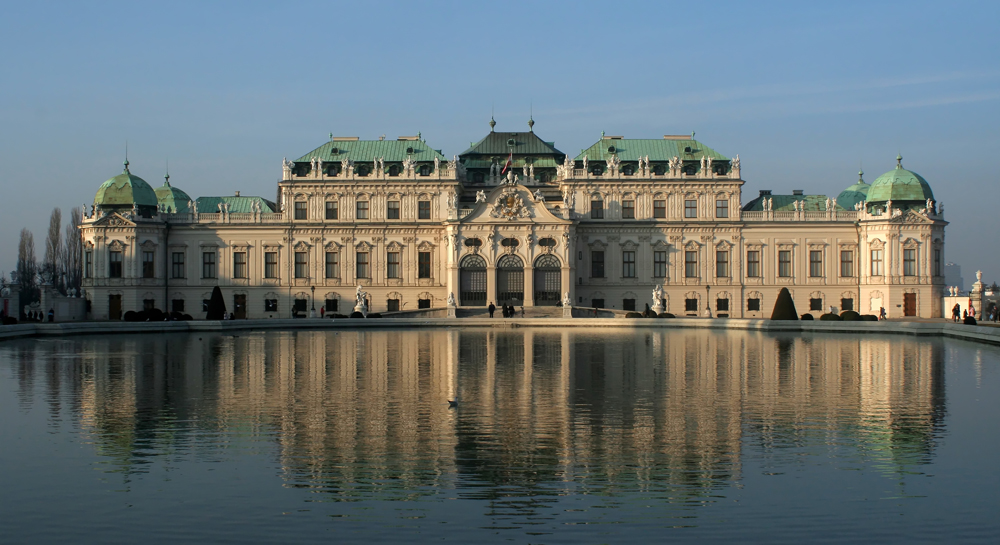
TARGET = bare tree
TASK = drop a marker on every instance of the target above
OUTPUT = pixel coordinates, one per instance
(27, 267)
(73, 252)
(52, 264)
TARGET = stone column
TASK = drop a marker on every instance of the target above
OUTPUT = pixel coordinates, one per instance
(529, 285)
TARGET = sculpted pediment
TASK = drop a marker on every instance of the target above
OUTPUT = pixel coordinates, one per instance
(114, 219)
(912, 217)
(510, 203)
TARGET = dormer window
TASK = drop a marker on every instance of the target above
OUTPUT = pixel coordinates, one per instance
(335, 151)
(363, 170)
(478, 178)
(425, 170)
(596, 170)
(394, 170)
(659, 170)
(409, 150)
(627, 170)
(687, 149)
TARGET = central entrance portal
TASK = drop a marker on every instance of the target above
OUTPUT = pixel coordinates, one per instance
(510, 280)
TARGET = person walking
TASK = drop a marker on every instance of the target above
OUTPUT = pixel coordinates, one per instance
(522, 311)
(955, 312)
(492, 308)
(881, 313)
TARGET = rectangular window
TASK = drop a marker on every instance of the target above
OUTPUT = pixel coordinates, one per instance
(177, 305)
(423, 264)
(333, 264)
(753, 264)
(270, 305)
(909, 262)
(392, 305)
(270, 264)
(815, 304)
(177, 265)
(628, 264)
(722, 209)
(753, 305)
(208, 265)
(301, 265)
(660, 264)
(204, 305)
(691, 264)
(660, 209)
(816, 263)
(847, 304)
(937, 262)
(148, 264)
(392, 265)
(88, 264)
(722, 305)
(392, 210)
(597, 303)
(300, 210)
(597, 264)
(628, 210)
(876, 262)
(596, 210)
(362, 265)
(114, 264)
(362, 208)
(239, 265)
(784, 263)
(424, 211)
(628, 304)
(332, 211)
(423, 303)
(690, 208)
(846, 263)
(690, 305)
(722, 264)
(331, 305)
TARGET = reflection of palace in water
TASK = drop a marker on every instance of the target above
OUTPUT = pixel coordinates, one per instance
(362, 414)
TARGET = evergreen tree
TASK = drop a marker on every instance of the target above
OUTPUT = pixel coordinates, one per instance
(216, 305)
(784, 307)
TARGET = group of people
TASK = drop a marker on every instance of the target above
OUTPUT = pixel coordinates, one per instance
(508, 311)
(957, 314)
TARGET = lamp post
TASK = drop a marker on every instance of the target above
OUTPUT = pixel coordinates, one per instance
(312, 300)
(708, 301)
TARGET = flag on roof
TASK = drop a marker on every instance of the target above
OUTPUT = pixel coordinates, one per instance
(510, 160)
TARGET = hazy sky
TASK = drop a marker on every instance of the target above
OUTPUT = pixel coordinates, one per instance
(805, 92)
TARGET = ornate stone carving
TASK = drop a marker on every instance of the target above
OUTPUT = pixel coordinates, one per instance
(510, 205)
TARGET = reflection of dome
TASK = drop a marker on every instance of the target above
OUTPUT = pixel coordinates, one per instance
(171, 199)
(851, 196)
(125, 190)
(900, 185)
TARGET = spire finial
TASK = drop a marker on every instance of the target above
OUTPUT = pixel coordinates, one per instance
(126, 156)
(493, 123)
(531, 124)
(899, 161)
(331, 137)
(166, 176)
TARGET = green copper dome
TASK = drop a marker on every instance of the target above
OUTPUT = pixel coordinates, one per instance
(171, 199)
(854, 194)
(900, 185)
(125, 190)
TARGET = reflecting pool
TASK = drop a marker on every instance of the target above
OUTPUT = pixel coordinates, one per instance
(558, 436)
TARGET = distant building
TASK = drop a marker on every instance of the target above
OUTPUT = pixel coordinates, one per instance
(514, 220)
(953, 276)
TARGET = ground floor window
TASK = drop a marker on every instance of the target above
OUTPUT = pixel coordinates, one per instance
(690, 305)
(847, 304)
(177, 305)
(270, 305)
(753, 304)
(597, 303)
(392, 305)
(423, 303)
(722, 305)
(204, 305)
(299, 308)
(815, 304)
(331, 305)
(148, 304)
(628, 304)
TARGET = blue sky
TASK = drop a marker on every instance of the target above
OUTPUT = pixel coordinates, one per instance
(805, 92)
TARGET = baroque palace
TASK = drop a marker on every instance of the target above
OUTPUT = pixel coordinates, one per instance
(514, 220)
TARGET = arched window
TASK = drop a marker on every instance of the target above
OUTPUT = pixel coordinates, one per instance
(472, 281)
(364, 170)
(548, 280)
(510, 279)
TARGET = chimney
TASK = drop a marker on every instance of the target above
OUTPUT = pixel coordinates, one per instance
(796, 192)
(237, 193)
(764, 192)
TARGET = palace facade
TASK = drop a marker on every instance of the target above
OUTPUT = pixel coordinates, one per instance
(514, 220)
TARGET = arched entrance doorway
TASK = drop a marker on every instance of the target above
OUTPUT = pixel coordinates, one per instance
(510, 280)
(472, 281)
(548, 280)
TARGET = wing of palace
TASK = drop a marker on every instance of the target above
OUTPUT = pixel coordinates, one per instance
(512, 220)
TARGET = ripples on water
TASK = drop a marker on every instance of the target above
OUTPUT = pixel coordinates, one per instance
(583, 435)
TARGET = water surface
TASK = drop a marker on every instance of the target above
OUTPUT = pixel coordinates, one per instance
(584, 435)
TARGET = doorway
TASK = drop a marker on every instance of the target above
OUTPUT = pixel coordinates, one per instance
(548, 281)
(510, 280)
(240, 306)
(909, 304)
(115, 307)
